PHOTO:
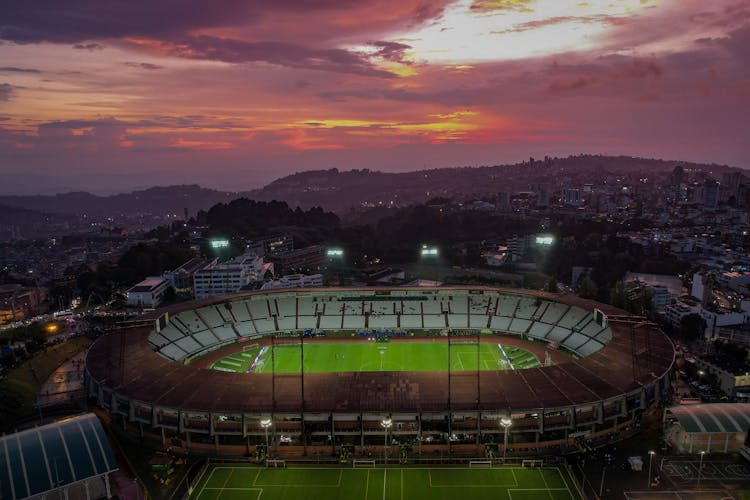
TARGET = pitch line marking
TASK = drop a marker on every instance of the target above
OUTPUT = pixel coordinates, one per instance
(385, 475)
(207, 481)
(544, 480)
(367, 483)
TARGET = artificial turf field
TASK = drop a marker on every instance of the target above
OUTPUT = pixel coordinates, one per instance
(321, 357)
(412, 483)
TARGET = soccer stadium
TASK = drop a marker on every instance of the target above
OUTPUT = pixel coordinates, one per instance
(371, 373)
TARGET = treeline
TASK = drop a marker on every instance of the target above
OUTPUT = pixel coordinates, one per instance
(248, 218)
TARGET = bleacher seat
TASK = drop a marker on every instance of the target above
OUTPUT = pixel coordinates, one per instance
(518, 325)
(553, 313)
(526, 308)
(210, 316)
(507, 305)
(240, 311)
(500, 323)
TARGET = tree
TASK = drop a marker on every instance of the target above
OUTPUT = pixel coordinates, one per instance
(587, 289)
(551, 285)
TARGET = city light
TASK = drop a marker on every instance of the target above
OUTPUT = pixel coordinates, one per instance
(217, 244)
(335, 252)
(428, 251)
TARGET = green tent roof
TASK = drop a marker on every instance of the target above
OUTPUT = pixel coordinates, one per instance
(52, 456)
(713, 418)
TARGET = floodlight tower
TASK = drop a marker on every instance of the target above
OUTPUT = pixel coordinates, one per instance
(266, 423)
(430, 252)
(651, 454)
(506, 424)
(386, 424)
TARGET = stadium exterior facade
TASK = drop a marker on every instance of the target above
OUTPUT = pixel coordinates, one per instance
(151, 375)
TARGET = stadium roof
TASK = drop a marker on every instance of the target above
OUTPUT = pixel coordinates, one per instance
(52, 456)
(713, 418)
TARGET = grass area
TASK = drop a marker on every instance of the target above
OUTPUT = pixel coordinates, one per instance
(20, 387)
(511, 483)
(321, 357)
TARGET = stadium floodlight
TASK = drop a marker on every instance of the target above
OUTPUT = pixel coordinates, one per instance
(266, 423)
(651, 454)
(545, 240)
(506, 423)
(217, 244)
(429, 251)
(335, 253)
(386, 424)
(700, 470)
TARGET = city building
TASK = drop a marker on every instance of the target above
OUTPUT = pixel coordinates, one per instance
(181, 278)
(71, 458)
(732, 374)
(295, 281)
(148, 293)
(231, 276)
(710, 428)
(270, 245)
(302, 260)
(19, 302)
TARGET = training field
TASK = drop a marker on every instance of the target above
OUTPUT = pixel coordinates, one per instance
(320, 357)
(497, 483)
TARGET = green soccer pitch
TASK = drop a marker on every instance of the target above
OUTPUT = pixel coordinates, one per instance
(321, 357)
(497, 483)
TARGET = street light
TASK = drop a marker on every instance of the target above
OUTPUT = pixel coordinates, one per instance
(386, 424)
(650, 459)
(700, 469)
(266, 423)
(505, 422)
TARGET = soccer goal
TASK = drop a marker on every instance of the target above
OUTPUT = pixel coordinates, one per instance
(532, 463)
(480, 464)
(276, 464)
(358, 464)
(250, 347)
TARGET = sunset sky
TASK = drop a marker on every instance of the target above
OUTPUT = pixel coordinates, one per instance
(114, 94)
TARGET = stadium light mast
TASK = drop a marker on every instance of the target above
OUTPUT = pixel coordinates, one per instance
(506, 423)
(430, 252)
(650, 459)
(386, 424)
(700, 470)
(266, 423)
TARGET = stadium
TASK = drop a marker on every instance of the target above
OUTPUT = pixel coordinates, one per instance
(461, 371)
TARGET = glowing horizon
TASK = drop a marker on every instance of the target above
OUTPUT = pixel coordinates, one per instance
(255, 90)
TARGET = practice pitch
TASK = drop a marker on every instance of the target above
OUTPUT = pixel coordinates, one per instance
(497, 483)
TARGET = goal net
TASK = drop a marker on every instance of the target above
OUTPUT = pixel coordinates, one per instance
(532, 463)
(275, 463)
(363, 463)
(480, 464)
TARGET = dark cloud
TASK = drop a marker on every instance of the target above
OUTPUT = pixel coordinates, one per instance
(13, 69)
(88, 46)
(148, 66)
(6, 91)
(77, 21)
(279, 53)
(390, 51)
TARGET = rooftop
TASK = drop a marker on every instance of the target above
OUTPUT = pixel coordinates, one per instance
(727, 363)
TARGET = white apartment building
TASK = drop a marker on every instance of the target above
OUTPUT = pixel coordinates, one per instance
(229, 277)
(148, 293)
